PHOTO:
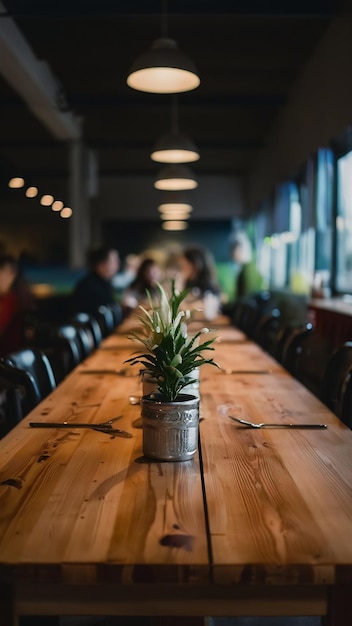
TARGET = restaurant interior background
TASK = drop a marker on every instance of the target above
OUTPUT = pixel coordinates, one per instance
(270, 118)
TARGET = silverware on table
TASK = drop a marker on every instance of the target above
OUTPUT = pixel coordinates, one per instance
(122, 372)
(103, 427)
(264, 425)
(226, 370)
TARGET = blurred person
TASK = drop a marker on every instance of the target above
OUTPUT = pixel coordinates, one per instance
(16, 302)
(198, 272)
(95, 288)
(148, 274)
(249, 280)
(128, 273)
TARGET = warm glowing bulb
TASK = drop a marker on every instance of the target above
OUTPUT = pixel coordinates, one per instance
(57, 205)
(16, 182)
(31, 192)
(175, 184)
(163, 80)
(175, 206)
(174, 225)
(175, 155)
(66, 212)
(47, 200)
(174, 216)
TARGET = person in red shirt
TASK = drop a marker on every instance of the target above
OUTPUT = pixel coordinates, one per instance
(15, 302)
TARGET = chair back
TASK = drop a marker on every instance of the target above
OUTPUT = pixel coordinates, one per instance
(30, 371)
(85, 339)
(346, 410)
(305, 355)
(267, 329)
(90, 322)
(290, 345)
(336, 379)
(66, 351)
(106, 320)
(249, 316)
(116, 311)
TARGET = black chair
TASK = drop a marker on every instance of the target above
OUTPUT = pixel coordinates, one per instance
(65, 350)
(288, 346)
(106, 320)
(91, 323)
(31, 373)
(346, 409)
(249, 316)
(267, 329)
(117, 313)
(305, 355)
(85, 339)
(11, 411)
(336, 380)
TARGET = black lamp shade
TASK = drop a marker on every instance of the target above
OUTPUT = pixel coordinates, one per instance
(163, 69)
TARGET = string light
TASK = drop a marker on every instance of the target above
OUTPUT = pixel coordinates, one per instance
(66, 212)
(16, 183)
(32, 192)
(57, 205)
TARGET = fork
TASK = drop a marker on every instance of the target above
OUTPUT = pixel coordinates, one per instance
(265, 425)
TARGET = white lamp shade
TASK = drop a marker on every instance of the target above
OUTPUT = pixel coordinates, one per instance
(174, 205)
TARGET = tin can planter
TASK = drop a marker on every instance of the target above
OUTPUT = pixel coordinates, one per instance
(170, 429)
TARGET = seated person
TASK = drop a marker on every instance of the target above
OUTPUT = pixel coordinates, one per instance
(198, 271)
(95, 288)
(16, 301)
(249, 279)
(148, 274)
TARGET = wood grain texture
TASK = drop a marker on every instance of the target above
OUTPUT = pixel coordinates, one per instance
(279, 502)
(261, 526)
(81, 505)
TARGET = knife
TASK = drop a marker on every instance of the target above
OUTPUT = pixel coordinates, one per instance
(123, 372)
(106, 371)
(103, 429)
(230, 371)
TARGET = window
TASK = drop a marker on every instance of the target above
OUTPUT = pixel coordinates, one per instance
(344, 224)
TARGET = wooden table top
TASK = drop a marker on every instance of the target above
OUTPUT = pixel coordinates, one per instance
(259, 508)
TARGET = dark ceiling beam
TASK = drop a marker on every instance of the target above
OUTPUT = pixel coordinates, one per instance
(33, 144)
(34, 175)
(110, 8)
(120, 102)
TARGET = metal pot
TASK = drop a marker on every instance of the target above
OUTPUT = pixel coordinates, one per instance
(170, 429)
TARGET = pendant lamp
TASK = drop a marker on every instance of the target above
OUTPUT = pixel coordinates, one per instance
(175, 201)
(175, 147)
(175, 178)
(174, 215)
(163, 68)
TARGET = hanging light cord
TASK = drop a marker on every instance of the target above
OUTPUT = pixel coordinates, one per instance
(164, 29)
(174, 113)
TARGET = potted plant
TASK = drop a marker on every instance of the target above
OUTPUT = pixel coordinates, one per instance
(171, 359)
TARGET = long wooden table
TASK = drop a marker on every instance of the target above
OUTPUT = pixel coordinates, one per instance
(259, 523)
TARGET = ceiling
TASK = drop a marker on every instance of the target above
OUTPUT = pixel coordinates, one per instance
(248, 54)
